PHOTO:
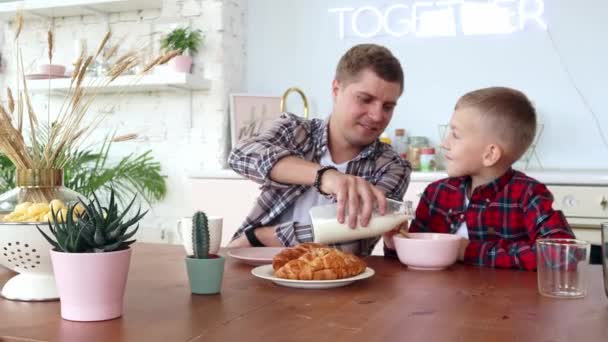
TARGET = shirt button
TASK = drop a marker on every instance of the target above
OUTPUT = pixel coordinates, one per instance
(461, 215)
(450, 211)
(488, 200)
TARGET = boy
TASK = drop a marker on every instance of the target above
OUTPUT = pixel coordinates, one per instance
(498, 211)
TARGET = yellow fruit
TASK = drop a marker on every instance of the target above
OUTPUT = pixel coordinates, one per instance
(56, 205)
(78, 208)
(31, 219)
(19, 218)
(37, 209)
(22, 207)
(41, 211)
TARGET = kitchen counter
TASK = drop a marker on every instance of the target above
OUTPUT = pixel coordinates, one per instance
(556, 177)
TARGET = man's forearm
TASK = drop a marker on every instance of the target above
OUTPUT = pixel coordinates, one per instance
(293, 170)
(266, 236)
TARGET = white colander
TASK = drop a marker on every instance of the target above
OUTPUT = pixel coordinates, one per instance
(24, 250)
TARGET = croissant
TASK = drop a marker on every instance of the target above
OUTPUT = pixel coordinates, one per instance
(311, 261)
(292, 253)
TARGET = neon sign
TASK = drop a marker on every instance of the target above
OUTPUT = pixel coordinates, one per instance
(441, 18)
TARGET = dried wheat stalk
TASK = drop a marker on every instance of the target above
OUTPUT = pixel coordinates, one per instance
(83, 71)
(168, 56)
(103, 43)
(109, 53)
(125, 137)
(11, 101)
(18, 25)
(49, 38)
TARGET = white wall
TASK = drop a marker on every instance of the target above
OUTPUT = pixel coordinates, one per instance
(296, 42)
(184, 131)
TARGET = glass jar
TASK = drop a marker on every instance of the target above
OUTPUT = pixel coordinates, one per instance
(414, 150)
(400, 144)
(427, 159)
(36, 188)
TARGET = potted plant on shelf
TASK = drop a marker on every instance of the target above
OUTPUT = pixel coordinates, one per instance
(186, 42)
(205, 271)
(90, 256)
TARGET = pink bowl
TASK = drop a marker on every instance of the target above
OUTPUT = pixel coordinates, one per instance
(51, 69)
(427, 251)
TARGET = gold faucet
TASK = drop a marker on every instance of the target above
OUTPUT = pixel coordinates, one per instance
(299, 91)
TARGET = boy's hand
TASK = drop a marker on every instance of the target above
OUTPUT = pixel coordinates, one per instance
(464, 243)
(388, 236)
(354, 193)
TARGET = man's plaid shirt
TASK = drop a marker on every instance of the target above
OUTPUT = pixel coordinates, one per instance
(291, 135)
(504, 218)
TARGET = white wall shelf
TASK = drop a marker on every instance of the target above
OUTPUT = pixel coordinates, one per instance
(130, 83)
(67, 8)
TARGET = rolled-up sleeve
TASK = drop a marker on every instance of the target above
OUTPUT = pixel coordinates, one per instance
(290, 233)
(394, 178)
(255, 157)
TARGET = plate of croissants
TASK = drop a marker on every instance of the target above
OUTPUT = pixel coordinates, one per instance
(314, 266)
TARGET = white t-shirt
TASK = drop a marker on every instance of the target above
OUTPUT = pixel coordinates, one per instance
(463, 230)
(299, 211)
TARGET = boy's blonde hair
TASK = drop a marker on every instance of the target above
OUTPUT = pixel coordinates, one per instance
(377, 58)
(511, 115)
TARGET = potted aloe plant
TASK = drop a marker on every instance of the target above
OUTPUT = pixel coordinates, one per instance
(90, 257)
(205, 271)
(185, 42)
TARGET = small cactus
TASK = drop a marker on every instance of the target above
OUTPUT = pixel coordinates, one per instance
(200, 235)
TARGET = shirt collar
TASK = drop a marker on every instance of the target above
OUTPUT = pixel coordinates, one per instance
(489, 191)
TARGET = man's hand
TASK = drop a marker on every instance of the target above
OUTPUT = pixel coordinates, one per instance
(464, 243)
(354, 193)
(388, 236)
(264, 234)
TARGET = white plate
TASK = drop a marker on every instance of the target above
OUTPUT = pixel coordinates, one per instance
(266, 272)
(255, 255)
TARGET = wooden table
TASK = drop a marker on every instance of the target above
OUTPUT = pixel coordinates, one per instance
(460, 304)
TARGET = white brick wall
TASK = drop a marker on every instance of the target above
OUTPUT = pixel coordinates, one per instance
(185, 131)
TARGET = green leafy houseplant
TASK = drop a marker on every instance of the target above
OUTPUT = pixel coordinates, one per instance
(94, 228)
(88, 171)
(183, 40)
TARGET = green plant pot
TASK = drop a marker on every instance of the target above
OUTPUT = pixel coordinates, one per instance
(205, 275)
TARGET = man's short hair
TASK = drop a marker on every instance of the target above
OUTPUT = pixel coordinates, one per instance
(512, 116)
(377, 58)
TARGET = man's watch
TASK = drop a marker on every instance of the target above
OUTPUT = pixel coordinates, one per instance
(318, 177)
(253, 239)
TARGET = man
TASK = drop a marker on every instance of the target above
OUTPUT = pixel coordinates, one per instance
(304, 163)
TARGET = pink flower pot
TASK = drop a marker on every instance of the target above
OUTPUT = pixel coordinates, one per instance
(181, 63)
(91, 286)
